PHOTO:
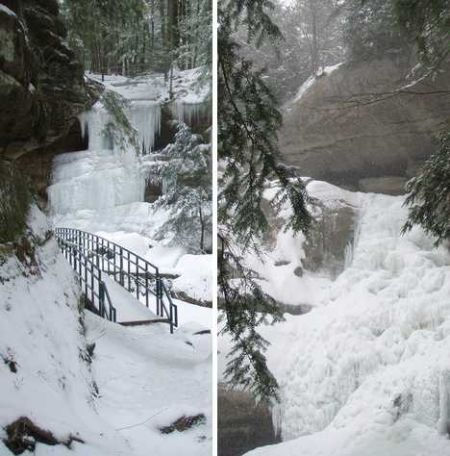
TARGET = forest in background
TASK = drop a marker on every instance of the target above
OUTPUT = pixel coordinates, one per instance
(319, 33)
(138, 36)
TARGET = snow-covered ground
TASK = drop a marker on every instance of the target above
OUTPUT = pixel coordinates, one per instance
(138, 380)
(367, 371)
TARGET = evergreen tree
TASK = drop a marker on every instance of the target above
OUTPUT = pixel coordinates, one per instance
(372, 30)
(195, 48)
(135, 36)
(248, 124)
(187, 178)
(312, 39)
(428, 22)
(429, 194)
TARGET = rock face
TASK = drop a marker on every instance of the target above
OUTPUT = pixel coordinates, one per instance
(349, 126)
(328, 244)
(243, 425)
(41, 83)
(42, 91)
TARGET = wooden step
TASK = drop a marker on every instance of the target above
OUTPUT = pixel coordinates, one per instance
(144, 322)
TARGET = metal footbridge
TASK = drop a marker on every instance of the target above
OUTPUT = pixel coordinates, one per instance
(106, 269)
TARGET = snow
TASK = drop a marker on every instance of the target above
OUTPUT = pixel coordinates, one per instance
(195, 278)
(148, 380)
(185, 86)
(326, 71)
(146, 377)
(366, 372)
(330, 69)
(5, 9)
(127, 306)
(304, 88)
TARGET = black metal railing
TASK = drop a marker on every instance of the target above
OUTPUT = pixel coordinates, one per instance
(90, 277)
(137, 275)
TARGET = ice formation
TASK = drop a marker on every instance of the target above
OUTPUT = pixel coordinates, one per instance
(367, 371)
(145, 117)
(190, 113)
(102, 177)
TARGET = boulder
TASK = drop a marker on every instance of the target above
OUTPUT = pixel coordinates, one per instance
(353, 124)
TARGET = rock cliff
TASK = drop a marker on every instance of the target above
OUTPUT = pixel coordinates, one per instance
(41, 83)
(353, 126)
(42, 91)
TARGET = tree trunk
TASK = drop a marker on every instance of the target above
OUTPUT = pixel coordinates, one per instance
(202, 228)
(315, 47)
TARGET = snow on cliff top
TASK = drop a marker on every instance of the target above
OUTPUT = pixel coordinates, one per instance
(186, 85)
(326, 71)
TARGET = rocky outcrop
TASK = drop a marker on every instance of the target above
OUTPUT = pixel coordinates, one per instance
(328, 244)
(353, 126)
(243, 424)
(42, 88)
(42, 91)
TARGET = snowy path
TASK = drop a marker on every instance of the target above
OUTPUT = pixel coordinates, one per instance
(147, 380)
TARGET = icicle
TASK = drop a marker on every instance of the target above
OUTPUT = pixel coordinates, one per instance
(145, 117)
(348, 255)
(277, 419)
(83, 120)
(190, 113)
(443, 423)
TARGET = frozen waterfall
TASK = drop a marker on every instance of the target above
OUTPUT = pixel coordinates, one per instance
(375, 349)
(106, 180)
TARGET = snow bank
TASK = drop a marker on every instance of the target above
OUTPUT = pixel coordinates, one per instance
(149, 379)
(41, 333)
(196, 278)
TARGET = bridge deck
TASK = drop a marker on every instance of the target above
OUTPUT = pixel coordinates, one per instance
(129, 309)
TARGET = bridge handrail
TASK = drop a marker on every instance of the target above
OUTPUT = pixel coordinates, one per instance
(91, 243)
(82, 270)
(75, 230)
